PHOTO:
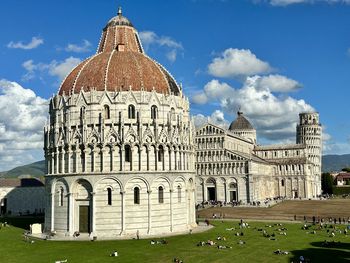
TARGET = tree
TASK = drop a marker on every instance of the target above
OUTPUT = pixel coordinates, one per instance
(327, 183)
(346, 169)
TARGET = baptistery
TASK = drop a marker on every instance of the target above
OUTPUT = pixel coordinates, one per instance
(119, 145)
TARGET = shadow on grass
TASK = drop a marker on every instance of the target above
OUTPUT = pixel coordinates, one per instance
(22, 221)
(321, 252)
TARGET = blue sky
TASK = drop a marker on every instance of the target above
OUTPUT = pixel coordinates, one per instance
(271, 58)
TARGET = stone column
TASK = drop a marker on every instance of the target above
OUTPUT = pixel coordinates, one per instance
(103, 155)
(156, 159)
(77, 155)
(149, 212)
(205, 191)
(83, 169)
(122, 165)
(305, 188)
(52, 195)
(69, 152)
(63, 163)
(56, 162)
(171, 210)
(93, 160)
(140, 157)
(93, 214)
(122, 232)
(111, 156)
(70, 214)
(187, 199)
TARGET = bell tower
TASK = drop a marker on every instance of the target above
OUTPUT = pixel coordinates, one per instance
(309, 132)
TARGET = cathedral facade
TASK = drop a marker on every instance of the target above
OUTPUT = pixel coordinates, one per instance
(231, 167)
(119, 146)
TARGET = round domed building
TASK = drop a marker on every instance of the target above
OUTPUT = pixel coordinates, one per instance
(119, 146)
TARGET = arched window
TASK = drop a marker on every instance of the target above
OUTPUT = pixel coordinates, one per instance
(127, 153)
(82, 113)
(179, 194)
(282, 182)
(160, 154)
(60, 197)
(136, 195)
(131, 111)
(109, 196)
(106, 112)
(172, 112)
(154, 112)
(160, 195)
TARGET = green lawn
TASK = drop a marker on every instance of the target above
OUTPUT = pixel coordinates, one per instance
(257, 248)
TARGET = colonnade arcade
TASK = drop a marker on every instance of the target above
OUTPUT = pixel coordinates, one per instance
(119, 157)
(112, 206)
(219, 189)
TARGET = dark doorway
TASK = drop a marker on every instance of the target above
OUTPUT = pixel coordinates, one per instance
(84, 219)
(211, 194)
(295, 194)
(3, 206)
(233, 196)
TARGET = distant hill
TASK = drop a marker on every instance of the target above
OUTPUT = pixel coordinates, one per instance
(36, 169)
(335, 162)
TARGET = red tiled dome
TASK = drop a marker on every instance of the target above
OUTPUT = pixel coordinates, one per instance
(119, 65)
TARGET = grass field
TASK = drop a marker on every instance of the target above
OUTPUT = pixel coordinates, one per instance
(286, 210)
(298, 242)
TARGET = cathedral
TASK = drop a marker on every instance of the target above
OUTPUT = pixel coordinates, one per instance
(124, 159)
(119, 146)
(232, 168)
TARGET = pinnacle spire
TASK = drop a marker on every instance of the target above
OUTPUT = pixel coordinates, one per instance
(119, 11)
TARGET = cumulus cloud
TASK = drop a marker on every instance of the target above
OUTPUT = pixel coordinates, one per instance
(274, 117)
(22, 118)
(59, 69)
(237, 63)
(150, 38)
(291, 2)
(277, 83)
(217, 118)
(34, 43)
(84, 47)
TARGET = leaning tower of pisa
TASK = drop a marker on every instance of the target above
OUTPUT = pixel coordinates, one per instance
(309, 132)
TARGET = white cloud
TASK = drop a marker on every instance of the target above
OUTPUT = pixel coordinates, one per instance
(277, 83)
(237, 63)
(34, 43)
(23, 115)
(149, 38)
(291, 2)
(84, 47)
(55, 68)
(61, 69)
(217, 118)
(274, 117)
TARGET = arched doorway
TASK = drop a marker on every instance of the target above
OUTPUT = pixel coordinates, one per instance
(82, 209)
(211, 189)
(233, 192)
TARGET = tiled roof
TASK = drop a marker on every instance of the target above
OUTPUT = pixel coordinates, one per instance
(119, 65)
(240, 123)
(279, 147)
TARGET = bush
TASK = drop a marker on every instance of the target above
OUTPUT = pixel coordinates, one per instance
(341, 190)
